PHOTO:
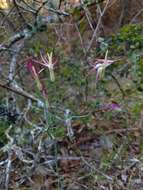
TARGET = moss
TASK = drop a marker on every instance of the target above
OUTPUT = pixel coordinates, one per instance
(129, 32)
(129, 38)
(136, 109)
(57, 132)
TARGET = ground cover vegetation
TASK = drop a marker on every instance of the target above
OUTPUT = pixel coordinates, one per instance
(71, 102)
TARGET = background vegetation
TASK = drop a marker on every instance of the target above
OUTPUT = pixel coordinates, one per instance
(71, 103)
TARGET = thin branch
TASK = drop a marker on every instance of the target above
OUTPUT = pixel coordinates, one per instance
(135, 17)
(6, 19)
(133, 129)
(80, 37)
(21, 17)
(88, 15)
(97, 27)
(13, 62)
(12, 40)
(28, 8)
(39, 9)
(19, 92)
(8, 169)
(119, 85)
